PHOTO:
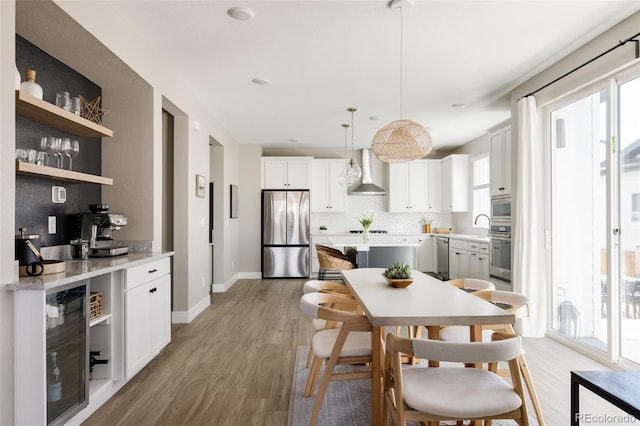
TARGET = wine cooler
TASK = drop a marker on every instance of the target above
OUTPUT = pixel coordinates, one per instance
(67, 355)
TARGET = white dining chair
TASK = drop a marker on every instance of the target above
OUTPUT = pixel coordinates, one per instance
(349, 344)
(446, 393)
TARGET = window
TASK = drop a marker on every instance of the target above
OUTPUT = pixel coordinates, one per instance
(635, 207)
(480, 167)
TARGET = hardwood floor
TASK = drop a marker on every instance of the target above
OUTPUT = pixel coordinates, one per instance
(233, 365)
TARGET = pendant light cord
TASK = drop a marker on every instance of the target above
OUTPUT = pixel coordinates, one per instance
(352, 110)
(401, 70)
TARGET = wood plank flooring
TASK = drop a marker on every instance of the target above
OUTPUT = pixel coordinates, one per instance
(233, 365)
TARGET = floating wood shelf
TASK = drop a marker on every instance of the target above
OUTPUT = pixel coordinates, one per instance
(49, 114)
(61, 174)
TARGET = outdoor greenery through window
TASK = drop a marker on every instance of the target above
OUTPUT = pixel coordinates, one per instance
(480, 186)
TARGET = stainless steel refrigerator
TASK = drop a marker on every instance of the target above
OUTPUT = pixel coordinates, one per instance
(285, 234)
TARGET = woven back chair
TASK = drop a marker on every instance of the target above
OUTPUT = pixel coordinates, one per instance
(331, 262)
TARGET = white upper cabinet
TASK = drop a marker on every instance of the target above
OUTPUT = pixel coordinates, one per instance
(286, 172)
(327, 195)
(500, 182)
(455, 183)
(409, 186)
(435, 186)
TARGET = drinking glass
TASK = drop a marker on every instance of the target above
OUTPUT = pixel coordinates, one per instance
(56, 150)
(62, 100)
(71, 150)
(32, 155)
(42, 158)
(21, 154)
(76, 106)
(64, 147)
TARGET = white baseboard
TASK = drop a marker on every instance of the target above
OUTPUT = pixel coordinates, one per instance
(221, 288)
(185, 317)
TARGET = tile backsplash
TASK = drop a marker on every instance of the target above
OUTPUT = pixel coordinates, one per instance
(399, 223)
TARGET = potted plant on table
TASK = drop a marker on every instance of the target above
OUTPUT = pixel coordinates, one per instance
(398, 275)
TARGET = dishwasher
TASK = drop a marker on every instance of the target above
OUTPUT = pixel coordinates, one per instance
(442, 258)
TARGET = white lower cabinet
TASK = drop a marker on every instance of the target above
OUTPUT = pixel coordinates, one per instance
(468, 259)
(427, 260)
(147, 313)
(479, 260)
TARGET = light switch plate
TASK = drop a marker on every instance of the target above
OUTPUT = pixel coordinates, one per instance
(58, 194)
(52, 225)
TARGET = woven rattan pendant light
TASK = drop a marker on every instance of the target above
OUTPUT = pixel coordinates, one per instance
(401, 140)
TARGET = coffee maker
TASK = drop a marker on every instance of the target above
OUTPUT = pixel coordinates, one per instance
(97, 229)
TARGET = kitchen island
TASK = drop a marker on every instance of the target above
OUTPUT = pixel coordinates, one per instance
(380, 251)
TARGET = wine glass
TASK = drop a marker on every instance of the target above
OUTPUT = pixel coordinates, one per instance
(46, 145)
(56, 149)
(64, 148)
(71, 149)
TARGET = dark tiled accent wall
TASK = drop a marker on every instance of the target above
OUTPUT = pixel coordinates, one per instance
(33, 194)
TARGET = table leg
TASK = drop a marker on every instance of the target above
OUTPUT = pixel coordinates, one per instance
(575, 401)
(377, 355)
(434, 334)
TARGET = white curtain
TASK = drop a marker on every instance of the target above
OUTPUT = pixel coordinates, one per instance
(528, 267)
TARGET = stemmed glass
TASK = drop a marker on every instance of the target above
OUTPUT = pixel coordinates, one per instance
(71, 150)
(56, 150)
(46, 146)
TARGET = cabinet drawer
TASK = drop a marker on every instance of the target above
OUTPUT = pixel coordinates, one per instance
(149, 271)
(478, 247)
(458, 244)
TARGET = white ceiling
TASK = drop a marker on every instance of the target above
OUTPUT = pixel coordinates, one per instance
(324, 56)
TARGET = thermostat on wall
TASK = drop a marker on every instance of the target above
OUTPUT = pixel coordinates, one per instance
(58, 194)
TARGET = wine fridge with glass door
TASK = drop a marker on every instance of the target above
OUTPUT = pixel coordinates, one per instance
(67, 356)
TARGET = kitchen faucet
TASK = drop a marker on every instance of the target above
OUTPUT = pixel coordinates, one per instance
(475, 222)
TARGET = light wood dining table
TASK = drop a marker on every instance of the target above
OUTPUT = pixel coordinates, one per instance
(426, 302)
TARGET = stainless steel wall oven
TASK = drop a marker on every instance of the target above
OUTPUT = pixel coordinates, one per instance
(500, 234)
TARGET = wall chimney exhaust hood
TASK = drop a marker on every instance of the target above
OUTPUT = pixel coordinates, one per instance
(367, 187)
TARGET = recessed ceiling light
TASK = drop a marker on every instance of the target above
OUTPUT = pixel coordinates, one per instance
(261, 81)
(294, 140)
(374, 118)
(241, 13)
(458, 105)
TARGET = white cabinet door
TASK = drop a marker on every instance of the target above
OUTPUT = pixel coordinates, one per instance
(337, 192)
(435, 186)
(299, 174)
(274, 174)
(418, 186)
(408, 187)
(500, 179)
(147, 301)
(286, 172)
(137, 336)
(455, 183)
(427, 259)
(160, 313)
(446, 169)
(398, 188)
(327, 195)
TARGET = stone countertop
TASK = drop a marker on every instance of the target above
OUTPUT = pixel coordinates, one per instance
(78, 270)
(465, 237)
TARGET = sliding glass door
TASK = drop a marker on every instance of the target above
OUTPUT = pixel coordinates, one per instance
(595, 217)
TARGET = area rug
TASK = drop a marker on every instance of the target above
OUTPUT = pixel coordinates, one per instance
(346, 403)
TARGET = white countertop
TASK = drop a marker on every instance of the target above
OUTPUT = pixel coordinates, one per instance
(464, 237)
(78, 270)
(376, 240)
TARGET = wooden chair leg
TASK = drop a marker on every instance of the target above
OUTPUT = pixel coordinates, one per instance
(532, 390)
(313, 376)
(309, 358)
(324, 383)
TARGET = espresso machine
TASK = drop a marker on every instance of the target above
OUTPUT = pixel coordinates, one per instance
(97, 229)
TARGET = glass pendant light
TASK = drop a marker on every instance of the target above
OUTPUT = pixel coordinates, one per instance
(355, 172)
(343, 178)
